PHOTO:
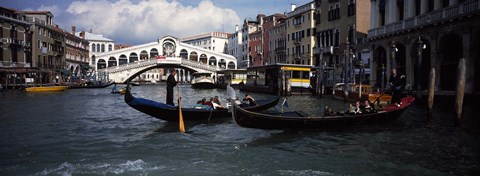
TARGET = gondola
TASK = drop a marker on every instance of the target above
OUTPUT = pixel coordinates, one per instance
(299, 120)
(93, 86)
(170, 113)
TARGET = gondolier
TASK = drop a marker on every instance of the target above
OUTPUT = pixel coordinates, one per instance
(171, 82)
(396, 85)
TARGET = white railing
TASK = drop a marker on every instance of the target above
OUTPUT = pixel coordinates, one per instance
(440, 15)
(152, 62)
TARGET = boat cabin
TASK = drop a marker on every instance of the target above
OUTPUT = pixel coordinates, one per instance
(279, 77)
(233, 77)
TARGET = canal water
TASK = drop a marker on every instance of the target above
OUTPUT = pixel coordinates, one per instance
(92, 132)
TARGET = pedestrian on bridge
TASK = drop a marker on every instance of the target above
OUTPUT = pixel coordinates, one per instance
(171, 82)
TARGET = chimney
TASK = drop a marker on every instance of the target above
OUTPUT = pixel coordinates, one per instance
(91, 31)
(82, 34)
(293, 6)
(236, 27)
(73, 30)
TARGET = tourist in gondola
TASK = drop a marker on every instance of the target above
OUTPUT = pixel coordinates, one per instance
(171, 82)
(249, 100)
(396, 85)
(366, 108)
(216, 103)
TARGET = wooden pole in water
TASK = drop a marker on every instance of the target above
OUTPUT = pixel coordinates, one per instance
(431, 93)
(283, 83)
(460, 90)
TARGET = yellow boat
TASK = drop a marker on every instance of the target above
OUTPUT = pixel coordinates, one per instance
(46, 88)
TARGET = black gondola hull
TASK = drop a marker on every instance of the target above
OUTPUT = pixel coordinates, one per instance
(170, 113)
(250, 119)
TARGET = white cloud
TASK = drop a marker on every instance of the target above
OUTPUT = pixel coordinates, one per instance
(147, 20)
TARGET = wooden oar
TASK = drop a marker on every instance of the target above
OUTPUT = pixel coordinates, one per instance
(180, 116)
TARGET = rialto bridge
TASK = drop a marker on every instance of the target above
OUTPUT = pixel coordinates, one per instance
(168, 52)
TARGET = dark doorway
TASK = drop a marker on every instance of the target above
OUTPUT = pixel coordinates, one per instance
(451, 48)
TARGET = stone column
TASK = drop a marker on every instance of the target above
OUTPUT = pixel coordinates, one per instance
(437, 4)
(452, 2)
(409, 65)
(423, 6)
(373, 67)
(408, 10)
(390, 11)
(373, 14)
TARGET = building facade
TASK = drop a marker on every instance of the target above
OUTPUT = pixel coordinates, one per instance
(48, 46)
(249, 26)
(97, 45)
(235, 45)
(416, 36)
(301, 34)
(255, 48)
(277, 43)
(77, 56)
(15, 47)
(341, 32)
(215, 41)
(268, 23)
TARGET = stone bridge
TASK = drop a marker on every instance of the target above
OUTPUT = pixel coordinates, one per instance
(167, 52)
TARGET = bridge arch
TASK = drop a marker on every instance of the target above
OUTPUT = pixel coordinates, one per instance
(212, 61)
(143, 55)
(153, 53)
(101, 64)
(222, 63)
(184, 54)
(203, 58)
(112, 61)
(133, 57)
(194, 56)
(122, 59)
(231, 65)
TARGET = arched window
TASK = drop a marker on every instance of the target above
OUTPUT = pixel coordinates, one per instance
(103, 47)
(93, 47)
(110, 47)
(98, 47)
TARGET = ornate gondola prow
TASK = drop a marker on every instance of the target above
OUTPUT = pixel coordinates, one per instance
(128, 94)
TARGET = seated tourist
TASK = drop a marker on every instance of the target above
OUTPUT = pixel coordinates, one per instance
(355, 109)
(208, 103)
(249, 100)
(216, 103)
(328, 111)
(367, 108)
(202, 104)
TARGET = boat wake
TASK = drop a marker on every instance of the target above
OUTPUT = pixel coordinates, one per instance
(129, 167)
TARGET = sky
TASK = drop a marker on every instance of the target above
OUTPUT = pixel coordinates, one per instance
(141, 21)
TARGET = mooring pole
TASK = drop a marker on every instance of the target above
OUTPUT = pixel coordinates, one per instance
(283, 83)
(431, 93)
(460, 90)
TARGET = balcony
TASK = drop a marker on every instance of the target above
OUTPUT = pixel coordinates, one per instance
(441, 15)
(297, 41)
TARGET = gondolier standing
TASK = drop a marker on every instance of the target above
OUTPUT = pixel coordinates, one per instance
(396, 85)
(171, 82)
